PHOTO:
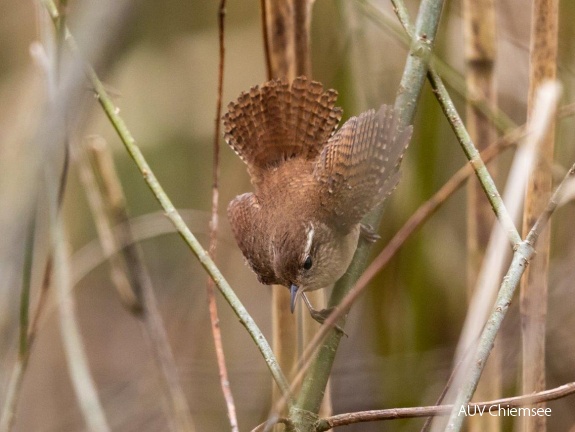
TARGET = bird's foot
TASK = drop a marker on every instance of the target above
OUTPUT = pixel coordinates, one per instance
(368, 233)
(321, 315)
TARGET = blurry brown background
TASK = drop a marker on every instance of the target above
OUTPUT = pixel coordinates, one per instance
(162, 72)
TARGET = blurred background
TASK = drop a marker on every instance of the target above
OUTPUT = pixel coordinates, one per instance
(160, 65)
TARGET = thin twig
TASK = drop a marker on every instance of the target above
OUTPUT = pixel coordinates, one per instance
(42, 301)
(421, 215)
(27, 341)
(427, 425)
(212, 305)
(386, 254)
(17, 376)
(26, 282)
(441, 410)
(128, 297)
(129, 142)
(523, 252)
(280, 29)
(265, 426)
(27, 330)
(131, 268)
(554, 202)
(64, 89)
(496, 256)
(464, 139)
(414, 222)
(472, 154)
(58, 265)
(480, 52)
(76, 358)
(533, 292)
(13, 391)
(450, 75)
(315, 382)
(217, 133)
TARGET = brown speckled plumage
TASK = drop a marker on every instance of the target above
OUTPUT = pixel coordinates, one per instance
(313, 185)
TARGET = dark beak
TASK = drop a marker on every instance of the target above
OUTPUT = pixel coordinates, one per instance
(293, 296)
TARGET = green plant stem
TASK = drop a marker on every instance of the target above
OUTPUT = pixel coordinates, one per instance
(523, 250)
(523, 253)
(411, 225)
(554, 202)
(475, 160)
(129, 142)
(453, 78)
(315, 382)
(464, 139)
(417, 64)
(521, 257)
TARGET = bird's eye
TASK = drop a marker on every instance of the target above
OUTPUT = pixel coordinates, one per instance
(307, 263)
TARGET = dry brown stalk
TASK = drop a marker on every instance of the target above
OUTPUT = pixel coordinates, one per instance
(287, 38)
(533, 297)
(479, 29)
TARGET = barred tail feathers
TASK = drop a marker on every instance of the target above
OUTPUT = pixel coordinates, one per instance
(277, 121)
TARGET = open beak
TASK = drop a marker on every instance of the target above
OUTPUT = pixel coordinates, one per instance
(293, 290)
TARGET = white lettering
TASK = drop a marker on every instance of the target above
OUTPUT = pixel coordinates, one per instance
(524, 412)
(505, 411)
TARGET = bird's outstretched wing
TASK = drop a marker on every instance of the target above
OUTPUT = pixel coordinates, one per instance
(244, 214)
(359, 167)
(276, 121)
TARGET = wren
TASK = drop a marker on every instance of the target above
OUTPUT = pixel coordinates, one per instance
(313, 185)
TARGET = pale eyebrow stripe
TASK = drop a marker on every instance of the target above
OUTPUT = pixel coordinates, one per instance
(310, 234)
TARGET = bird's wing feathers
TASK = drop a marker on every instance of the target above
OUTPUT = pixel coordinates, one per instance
(277, 121)
(244, 214)
(359, 166)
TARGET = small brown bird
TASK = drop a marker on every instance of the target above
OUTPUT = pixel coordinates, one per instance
(301, 226)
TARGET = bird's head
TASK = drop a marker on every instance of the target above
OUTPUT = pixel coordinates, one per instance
(310, 255)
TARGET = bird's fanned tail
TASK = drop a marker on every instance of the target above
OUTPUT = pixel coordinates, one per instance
(277, 121)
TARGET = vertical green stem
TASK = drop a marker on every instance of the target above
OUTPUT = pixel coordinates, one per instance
(510, 282)
(418, 60)
(315, 382)
(129, 142)
(474, 158)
